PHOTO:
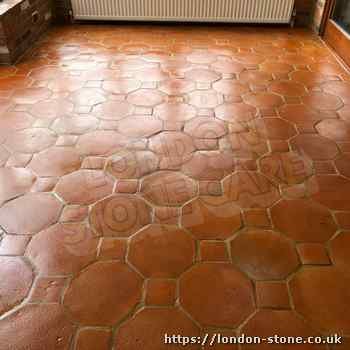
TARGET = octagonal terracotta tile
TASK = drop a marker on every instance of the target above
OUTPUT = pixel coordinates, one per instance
(175, 112)
(276, 67)
(149, 325)
(101, 142)
(151, 74)
(248, 144)
(140, 126)
(228, 67)
(274, 128)
(305, 289)
(87, 97)
(255, 77)
(205, 99)
(315, 146)
(333, 191)
(51, 109)
(287, 88)
(177, 86)
(235, 112)
(339, 248)
(62, 249)
(84, 186)
(322, 101)
(120, 215)
(286, 167)
(14, 182)
(145, 97)
(90, 339)
(231, 87)
(113, 110)
(263, 100)
(55, 161)
(264, 255)
(65, 84)
(285, 323)
(48, 322)
(338, 88)
(250, 190)
(31, 140)
(74, 125)
(200, 75)
(168, 188)
(30, 213)
(173, 147)
(161, 252)
(205, 128)
(121, 287)
(132, 164)
(31, 95)
(343, 165)
(303, 220)
(11, 121)
(334, 129)
(211, 217)
(216, 294)
(307, 78)
(121, 86)
(209, 165)
(19, 277)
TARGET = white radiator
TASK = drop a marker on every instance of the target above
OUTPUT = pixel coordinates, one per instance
(240, 11)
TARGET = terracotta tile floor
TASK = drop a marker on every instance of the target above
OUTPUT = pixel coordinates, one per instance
(159, 179)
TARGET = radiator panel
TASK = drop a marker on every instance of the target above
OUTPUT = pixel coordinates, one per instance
(239, 11)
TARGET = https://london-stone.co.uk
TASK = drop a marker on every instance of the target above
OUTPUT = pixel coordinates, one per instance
(217, 338)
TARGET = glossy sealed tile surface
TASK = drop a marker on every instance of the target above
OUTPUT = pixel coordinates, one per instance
(173, 179)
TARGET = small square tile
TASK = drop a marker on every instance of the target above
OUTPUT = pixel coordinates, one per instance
(313, 254)
(210, 188)
(112, 248)
(257, 218)
(160, 292)
(272, 295)
(48, 290)
(127, 186)
(294, 191)
(13, 244)
(213, 251)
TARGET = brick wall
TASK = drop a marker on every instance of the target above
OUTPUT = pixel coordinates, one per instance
(20, 26)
